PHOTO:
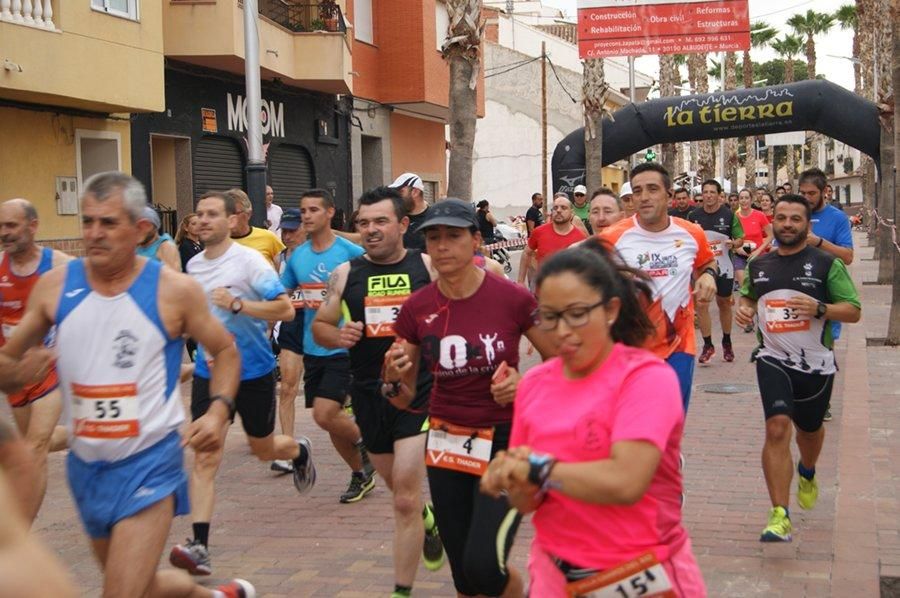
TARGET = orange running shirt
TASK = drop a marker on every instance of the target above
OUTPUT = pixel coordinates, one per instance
(15, 290)
(671, 257)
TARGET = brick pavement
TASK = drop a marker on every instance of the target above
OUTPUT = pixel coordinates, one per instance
(313, 546)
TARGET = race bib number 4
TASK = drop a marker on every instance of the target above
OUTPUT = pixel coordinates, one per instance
(381, 314)
(459, 448)
(313, 294)
(643, 576)
(107, 411)
(780, 318)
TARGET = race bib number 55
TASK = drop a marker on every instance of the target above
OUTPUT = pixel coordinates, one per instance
(105, 411)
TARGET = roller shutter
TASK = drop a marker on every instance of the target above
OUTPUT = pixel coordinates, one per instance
(218, 165)
(290, 173)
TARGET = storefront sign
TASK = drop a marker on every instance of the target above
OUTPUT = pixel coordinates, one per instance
(636, 27)
(272, 116)
(208, 117)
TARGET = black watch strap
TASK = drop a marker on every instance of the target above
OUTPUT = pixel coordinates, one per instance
(227, 402)
(711, 271)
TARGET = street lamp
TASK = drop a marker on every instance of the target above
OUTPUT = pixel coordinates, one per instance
(855, 60)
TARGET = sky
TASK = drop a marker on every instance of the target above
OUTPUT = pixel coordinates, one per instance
(776, 13)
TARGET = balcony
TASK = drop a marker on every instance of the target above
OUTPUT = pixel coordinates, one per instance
(66, 54)
(301, 44)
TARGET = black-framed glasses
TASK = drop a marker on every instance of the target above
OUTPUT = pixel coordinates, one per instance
(575, 317)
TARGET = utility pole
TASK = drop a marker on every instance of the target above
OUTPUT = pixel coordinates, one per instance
(631, 94)
(544, 127)
(256, 164)
(722, 141)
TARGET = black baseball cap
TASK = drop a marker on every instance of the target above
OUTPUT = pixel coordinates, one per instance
(451, 212)
(291, 220)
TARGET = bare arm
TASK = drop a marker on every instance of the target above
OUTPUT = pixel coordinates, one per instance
(279, 309)
(402, 365)
(579, 224)
(524, 263)
(21, 358)
(542, 341)
(844, 253)
(168, 255)
(325, 327)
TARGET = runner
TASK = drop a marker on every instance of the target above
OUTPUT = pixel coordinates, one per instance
(549, 238)
(581, 207)
(370, 289)
(757, 233)
(158, 247)
(290, 337)
(465, 328)
(596, 438)
(606, 210)
(326, 378)
(673, 253)
(36, 407)
(767, 205)
(244, 294)
(682, 207)
(262, 240)
(412, 189)
(120, 384)
(796, 291)
(724, 232)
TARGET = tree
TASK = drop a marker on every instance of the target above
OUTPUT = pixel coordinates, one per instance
(847, 18)
(811, 24)
(594, 91)
(893, 334)
(775, 71)
(462, 49)
(699, 81)
(760, 35)
(787, 47)
(731, 154)
(667, 83)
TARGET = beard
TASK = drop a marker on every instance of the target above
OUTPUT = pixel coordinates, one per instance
(791, 239)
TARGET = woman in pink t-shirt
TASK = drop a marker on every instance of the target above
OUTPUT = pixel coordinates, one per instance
(596, 439)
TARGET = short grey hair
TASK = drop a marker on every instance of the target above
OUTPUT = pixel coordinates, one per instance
(106, 185)
(241, 198)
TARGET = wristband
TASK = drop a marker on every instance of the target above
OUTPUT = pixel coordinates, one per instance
(539, 468)
(821, 240)
(228, 403)
(711, 271)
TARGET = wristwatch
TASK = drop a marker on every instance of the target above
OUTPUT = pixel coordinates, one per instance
(711, 271)
(390, 390)
(539, 467)
(226, 401)
(821, 308)
(237, 305)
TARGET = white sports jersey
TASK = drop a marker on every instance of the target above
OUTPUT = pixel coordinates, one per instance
(118, 368)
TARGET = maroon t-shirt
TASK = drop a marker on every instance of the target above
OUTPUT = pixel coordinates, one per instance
(462, 343)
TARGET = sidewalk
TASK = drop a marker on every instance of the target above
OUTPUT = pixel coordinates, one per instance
(313, 546)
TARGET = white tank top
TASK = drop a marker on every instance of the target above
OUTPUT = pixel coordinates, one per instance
(118, 368)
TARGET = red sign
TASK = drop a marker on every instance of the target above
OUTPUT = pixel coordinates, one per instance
(636, 27)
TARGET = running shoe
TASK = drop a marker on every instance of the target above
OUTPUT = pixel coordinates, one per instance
(193, 557)
(304, 469)
(368, 468)
(748, 328)
(433, 548)
(807, 492)
(779, 528)
(727, 353)
(238, 588)
(707, 354)
(360, 485)
(282, 466)
(828, 416)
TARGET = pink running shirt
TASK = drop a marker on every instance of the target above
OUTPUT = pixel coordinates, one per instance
(632, 396)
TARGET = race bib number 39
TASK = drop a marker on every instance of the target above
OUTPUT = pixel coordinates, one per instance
(105, 411)
(781, 318)
(459, 448)
(643, 576)
(381, 313)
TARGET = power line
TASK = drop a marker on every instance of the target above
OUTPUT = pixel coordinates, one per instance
(517, 62)
(558, 80)
(512, 68)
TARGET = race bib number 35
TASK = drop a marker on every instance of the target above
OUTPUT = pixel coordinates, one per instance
(459, 448)
(643, 576)
(781, 318)
(381, 313)
(105, 411)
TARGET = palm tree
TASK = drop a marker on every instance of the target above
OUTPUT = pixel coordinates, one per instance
(760, 35)
(788, 47)
(462, 49)
(667, 83)
(699, 81)
(893, 335)
(594, 91)
(847, 17)
(731, 154)
(811, 24)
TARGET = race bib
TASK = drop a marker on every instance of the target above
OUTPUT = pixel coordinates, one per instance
(780, 318)
(297, 298)
(716, 248)
(108, 411)
(459, 448)
(643, 576)
(313, 294)
(381, 313)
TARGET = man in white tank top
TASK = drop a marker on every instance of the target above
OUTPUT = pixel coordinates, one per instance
(120, 321)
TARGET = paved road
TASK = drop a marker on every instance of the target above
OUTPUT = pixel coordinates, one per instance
(314, 546)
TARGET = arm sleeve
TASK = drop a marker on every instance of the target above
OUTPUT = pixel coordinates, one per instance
(704, 253)
(843, 236)
(277, 245)
(747, 289)
(405, 327)
(737, 229)
(519, 434)
(525, 307)
(649, 406)
(288, 277)
(840, 286)
(533, 239)
(265, 280)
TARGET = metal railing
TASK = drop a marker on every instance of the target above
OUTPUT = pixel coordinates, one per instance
(300, 18)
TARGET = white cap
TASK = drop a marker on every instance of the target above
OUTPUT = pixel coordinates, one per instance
(626, 190)
(408, 179)
(580, 189)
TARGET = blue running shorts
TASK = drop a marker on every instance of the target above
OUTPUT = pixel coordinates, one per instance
(683, 364)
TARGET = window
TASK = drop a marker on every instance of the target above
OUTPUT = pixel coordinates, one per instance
(96, 151)
(441, 23)
(362, 26)
(120, 8)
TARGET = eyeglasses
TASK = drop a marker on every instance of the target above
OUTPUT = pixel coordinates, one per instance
(575, 317)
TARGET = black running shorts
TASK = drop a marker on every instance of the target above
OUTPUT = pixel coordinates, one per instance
(724, 286)
(290, 334)
(326, 378)
(382, 424)
(801, 396)
(255, 403)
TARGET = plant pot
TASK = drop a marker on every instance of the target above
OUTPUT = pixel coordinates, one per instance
(331, 24)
